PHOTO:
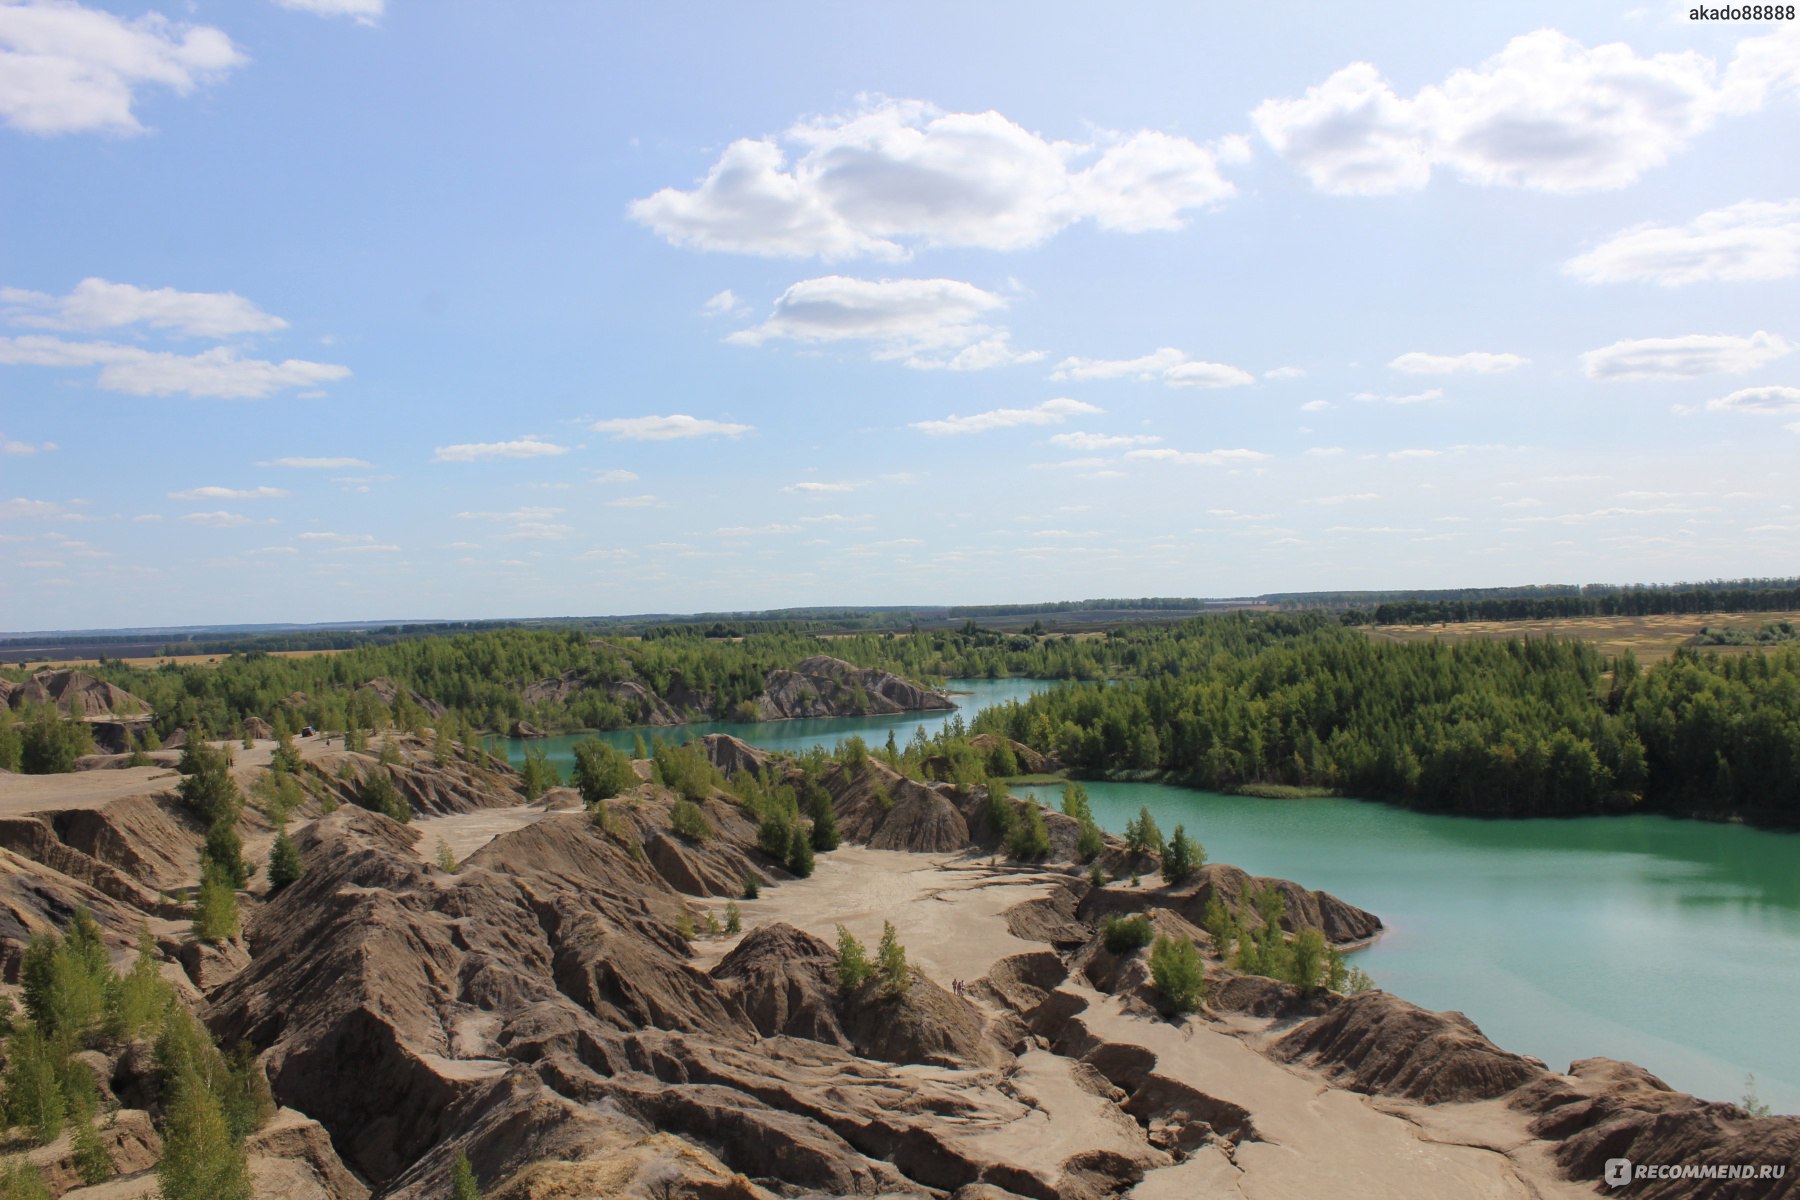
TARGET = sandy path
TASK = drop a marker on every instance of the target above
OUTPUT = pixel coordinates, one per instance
(1315, 1140)
(23, 795)
(946, 908)
(465, 833)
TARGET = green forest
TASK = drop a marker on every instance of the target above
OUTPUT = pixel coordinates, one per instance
(1228, 701)
(1523, 727)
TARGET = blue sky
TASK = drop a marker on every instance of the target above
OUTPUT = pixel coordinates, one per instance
(339, 309)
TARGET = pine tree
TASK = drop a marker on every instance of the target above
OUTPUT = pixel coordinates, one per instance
(284, 862)
(853, 967)
(200, 1159)
(800, 853)
(216, 909)
(890, 960)
(462, 1180)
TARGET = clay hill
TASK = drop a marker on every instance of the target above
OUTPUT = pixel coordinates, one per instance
(75, 694)
(569, 1008)
(819, 686)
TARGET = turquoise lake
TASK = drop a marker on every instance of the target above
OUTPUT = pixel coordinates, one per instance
(1672, 944)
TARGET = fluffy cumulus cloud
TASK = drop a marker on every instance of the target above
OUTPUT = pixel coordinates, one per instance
(1050, 412)
(925, 323)
(525, 447)
(1741, 243)
(226, 493)
(66, 68)
(1102, 441)
(1760, 401)
(96, 304)
(1173, 367)
(318, 464)
(1476, 362)
(1424, 397)
(363, 12)
(896, 174)
(220, 372)
(664, 429)
(1197, 458)
(1683, 357)
(1546, 113)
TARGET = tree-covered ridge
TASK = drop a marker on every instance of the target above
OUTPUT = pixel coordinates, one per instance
(1748, 595)
(1544, 726)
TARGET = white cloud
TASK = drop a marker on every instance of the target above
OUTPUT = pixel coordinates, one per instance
(898, 174)
(635, 502)
(1760, 401)
(813, 488)
(1545, 113)
(225, 493)
(1683, 357)
(1285, 373)
(65, 68)
(96, 304)
(1325, 451)
(613, 475)
(1050, 412)
(364, 12)
(324, 535)
(316, 464)
(525, 447)
(1402, 455)
(1741, 243)
(751, 530)
(372, 548)
(1424, 397)
(218, 372)
(662, 429)
(1316, 406)
(222, 520)
(1168, 364)
(19, 506)
(532, 523)
(1102, 441)
(722, 304)
(928, 323)
(1418, 362)
(1209, 458)
(19, 449)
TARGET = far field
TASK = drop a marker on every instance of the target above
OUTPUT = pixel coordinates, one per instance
(1652, 639)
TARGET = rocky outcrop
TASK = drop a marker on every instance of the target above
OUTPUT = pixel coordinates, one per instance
(822, 686)
(387, 691)
(876, 805)
(786, 982)
(428, 786)
(731, 755)
(1379, 1043)
(76, 694)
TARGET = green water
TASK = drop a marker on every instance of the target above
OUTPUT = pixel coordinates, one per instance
(1672, 944)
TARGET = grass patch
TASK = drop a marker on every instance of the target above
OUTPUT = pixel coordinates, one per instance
(1282, 791)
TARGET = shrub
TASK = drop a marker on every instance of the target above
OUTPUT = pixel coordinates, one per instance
(539, 774)
(1096, 876)
(774, 834)
(462, 1180)
(853, 966)
(200, 1159)
(34, 1085)
(752, 885)
(1125, 935)
(1177, 972)
(446, 857)
(378, 794)
(824, 824)
(284, 862)
(137, 1001)
(216, 910)
(1220, 925)
(1029, 839)
(890, 960)
(689, 822)
(20, 1180)
(1000, 812)
(225, 850)
(207, 787)
(1182, 857)
(800, 853)
(1142, 833)
(601, 772)
(734, 918)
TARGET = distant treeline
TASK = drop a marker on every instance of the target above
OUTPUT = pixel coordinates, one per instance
(1733, 596)
(1522, 727)
(1143, 604)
